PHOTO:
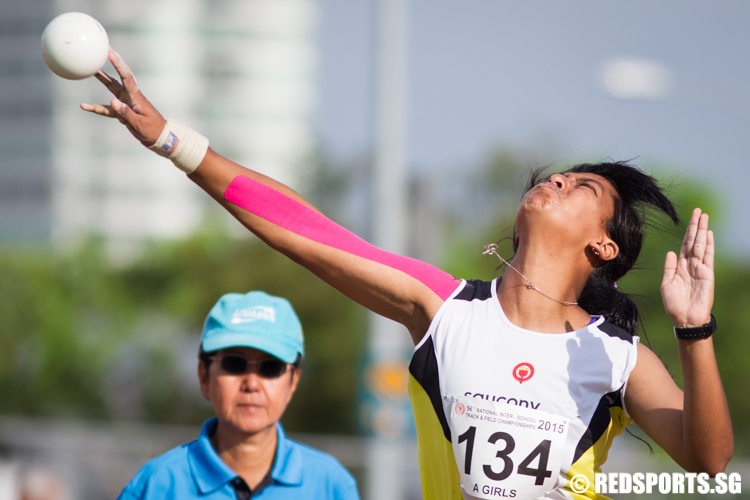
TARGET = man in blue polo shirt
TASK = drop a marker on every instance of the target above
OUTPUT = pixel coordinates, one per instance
(249, 366)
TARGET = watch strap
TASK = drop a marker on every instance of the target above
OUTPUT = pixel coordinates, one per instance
(698, 332)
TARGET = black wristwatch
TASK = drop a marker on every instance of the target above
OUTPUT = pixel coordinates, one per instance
(699, 332)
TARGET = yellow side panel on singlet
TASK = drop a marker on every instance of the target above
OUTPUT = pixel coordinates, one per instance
(437, 467)
(591, 461)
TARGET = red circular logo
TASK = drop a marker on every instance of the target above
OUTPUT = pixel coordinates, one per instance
(460, 409)
(523, 372)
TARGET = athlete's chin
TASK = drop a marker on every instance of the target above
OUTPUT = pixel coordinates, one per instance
(536, 206)
(550, 223)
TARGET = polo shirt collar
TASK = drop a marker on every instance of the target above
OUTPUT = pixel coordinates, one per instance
(288, 466)
(211, 473)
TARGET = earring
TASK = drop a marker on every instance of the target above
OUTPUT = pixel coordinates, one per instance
(596, 252)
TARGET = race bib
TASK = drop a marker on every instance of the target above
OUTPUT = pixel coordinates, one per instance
(505, 451)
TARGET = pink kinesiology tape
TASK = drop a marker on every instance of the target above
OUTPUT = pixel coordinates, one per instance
(271, 205)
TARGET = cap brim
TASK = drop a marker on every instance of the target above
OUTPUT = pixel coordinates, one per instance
(285, 353)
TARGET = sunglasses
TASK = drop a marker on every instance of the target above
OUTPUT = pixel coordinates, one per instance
(266, 368)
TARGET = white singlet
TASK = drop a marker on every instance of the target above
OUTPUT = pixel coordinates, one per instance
(473, 352)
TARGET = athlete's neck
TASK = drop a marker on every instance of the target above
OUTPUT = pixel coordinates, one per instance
(556, 274)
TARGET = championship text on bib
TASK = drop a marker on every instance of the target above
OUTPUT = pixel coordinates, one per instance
(505, 451)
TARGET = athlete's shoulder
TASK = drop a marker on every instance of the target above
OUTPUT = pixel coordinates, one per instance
(475, 290)
(615, 331)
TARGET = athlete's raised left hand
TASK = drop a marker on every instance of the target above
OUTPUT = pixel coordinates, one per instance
(688, 285)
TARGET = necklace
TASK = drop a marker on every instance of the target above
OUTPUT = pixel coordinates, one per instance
(491, 248)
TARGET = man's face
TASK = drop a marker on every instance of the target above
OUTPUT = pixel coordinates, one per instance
(247, 402)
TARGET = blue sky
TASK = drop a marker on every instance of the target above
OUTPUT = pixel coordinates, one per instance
(524, 75)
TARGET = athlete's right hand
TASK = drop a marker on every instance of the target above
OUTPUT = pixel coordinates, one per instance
(129, 106)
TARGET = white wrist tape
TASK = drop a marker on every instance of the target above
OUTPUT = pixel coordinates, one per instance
(184, 146)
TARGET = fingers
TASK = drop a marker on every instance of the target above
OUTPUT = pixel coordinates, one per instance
(112, 85)
(122, 111)
(698, 248)
(99, 109)
(690, 232)
(126, 74)
(670, 268)
(708, 259)
(129, 118)
(116, 109)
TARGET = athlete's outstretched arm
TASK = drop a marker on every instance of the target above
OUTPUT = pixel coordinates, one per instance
(693, 427)
(402, 289)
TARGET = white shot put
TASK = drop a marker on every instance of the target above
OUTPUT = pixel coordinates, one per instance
(75, 45)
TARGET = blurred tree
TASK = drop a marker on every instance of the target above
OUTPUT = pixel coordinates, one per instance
(80, 337)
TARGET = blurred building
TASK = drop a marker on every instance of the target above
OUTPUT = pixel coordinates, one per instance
(240, 71)
(25, 121)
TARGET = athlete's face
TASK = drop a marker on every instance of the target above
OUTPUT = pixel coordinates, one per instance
(247, 402)
(573, 208)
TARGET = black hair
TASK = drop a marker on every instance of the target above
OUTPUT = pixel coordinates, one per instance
(636, 193)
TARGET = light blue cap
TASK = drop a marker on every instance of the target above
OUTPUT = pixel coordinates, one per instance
(256, 320)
